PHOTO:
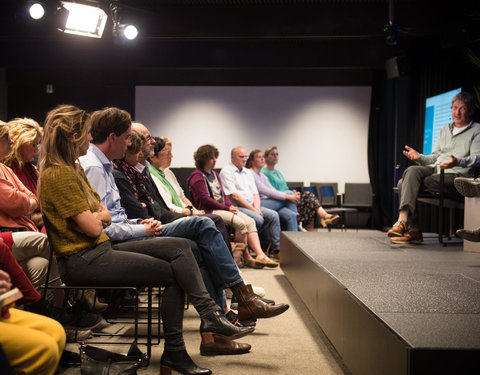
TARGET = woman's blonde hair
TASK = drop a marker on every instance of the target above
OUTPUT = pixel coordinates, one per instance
(66, 129)
(3, 129)
(167, 141)
(22, 131)
(269, 150)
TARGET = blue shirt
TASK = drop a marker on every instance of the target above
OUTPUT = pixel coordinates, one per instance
(99, 172)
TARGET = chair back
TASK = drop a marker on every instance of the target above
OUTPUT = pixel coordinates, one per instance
(48, 226)
(311, 189)
(327, 193)
(295, 185)
(357, 195)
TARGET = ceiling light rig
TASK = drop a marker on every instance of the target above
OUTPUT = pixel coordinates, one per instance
(87, 18)
(81, 19)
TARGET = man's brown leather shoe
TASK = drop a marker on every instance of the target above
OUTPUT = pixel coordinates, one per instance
(251, 307)
(223, 346)
(413, 235)
(398, 229)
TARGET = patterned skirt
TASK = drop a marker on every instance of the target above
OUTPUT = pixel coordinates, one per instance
(307, 209)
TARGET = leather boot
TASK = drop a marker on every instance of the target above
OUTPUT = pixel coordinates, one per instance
(219, 325)
(222, 346)
(251, 307)
(181, 362)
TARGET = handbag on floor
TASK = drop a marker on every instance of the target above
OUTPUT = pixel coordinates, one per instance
(237, 251)
(98, 361)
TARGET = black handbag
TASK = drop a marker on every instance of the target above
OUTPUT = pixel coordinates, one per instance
(98, 361)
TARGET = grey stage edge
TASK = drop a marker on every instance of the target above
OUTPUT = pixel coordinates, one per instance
(389, 309)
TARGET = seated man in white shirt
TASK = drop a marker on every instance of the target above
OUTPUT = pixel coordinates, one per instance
(239, 185)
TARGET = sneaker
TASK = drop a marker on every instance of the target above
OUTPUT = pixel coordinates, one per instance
(301, 228)
(413, 236)
(74, 335)
(469, 235)
(468, 187)
(398, 229)
(77, 319)
(258, 290)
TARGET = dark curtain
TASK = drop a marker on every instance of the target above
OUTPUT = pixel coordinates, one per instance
(380, 142)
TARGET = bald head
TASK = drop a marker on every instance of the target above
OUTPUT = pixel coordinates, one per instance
(149, 141)
(139, 127)
(239, 157)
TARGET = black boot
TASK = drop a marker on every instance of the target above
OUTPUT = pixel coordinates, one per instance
(217, 323)
(180, 361)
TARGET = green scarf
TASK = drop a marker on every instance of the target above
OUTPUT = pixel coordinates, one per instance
(158, 173)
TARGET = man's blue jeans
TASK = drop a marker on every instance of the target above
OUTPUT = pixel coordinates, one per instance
(286, 210)
(269, 224)
(213, 254)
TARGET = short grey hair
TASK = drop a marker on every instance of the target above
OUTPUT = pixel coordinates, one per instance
(467, 99)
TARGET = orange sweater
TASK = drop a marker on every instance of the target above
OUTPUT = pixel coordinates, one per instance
(14, 201)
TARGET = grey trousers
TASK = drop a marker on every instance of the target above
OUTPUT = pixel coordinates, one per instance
(418, 178)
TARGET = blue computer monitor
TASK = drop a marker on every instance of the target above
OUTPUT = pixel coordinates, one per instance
(438, 113)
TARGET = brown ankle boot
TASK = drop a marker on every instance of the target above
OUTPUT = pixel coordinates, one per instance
(251, 307)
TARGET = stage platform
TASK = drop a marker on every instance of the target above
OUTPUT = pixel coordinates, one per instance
(389, 309)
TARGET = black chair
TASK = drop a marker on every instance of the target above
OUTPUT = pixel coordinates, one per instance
(451, 204)
(295, 185)
(135, 290)
(182, 174)
(359, 198)
(330, 200)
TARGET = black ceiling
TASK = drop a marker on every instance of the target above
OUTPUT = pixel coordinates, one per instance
(242, 33)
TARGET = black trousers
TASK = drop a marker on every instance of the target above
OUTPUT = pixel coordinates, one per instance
(166, 262)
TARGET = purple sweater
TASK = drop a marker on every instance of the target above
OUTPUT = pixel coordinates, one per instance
(265, 188)
(202, 193)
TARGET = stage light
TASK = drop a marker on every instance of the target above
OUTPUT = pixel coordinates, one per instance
(36, 11)
(82, 19)
(123, 34)
(130, 32)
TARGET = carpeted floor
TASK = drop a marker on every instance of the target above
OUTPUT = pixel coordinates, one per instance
(287, 344)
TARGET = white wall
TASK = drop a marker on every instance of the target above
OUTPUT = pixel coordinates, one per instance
(321, 132)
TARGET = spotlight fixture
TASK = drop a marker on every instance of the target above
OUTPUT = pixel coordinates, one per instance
(36, 11)
(122, 33)
(81, 19)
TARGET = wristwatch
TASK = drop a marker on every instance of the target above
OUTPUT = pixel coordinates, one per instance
(191, 210)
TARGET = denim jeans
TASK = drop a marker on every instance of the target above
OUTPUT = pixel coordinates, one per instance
(286, 210)
(268, 224)
(216, 256)
(166, 262)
